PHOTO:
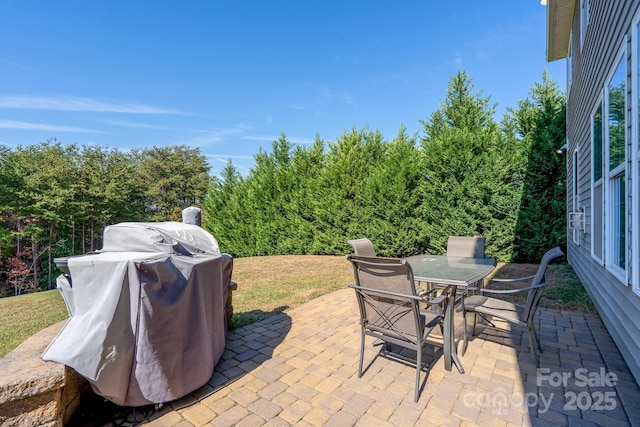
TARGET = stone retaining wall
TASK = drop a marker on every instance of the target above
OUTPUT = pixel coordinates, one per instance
(38, 393)
(34, 392)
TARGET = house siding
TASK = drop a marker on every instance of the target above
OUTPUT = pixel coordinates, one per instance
(610, 24)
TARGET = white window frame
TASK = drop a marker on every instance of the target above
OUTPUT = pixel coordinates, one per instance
(598, 183)
(570, 63)
(584, 20)
(635, 154)
(576, 208)
(610, 177)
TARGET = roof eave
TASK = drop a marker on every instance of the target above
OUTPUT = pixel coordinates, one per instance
(559, 22)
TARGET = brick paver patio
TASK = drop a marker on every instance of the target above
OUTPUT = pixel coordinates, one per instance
(300, 368)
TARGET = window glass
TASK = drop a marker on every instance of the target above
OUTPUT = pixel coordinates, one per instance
(597, 189)
(570, 62)
(618, 226)
(576, 204)
(597, 219)
(584, 19)
(616, 90)
(615, 224)
(597, 144)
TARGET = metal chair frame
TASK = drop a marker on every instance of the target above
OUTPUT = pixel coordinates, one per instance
(488, 307)
(391, 311)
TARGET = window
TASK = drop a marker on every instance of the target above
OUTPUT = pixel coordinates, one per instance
(570, 62)
(635, 170)
(615, 158)
(635, 272)
(575, 201)
(584, 19)
(597, 185)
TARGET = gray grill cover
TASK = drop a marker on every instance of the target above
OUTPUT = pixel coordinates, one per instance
(147, 312)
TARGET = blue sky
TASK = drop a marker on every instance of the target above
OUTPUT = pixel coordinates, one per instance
(231, 76)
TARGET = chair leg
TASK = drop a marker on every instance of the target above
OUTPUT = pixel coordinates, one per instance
(532, 338)
(475, 319)
(464, 331)
(361, 354)
(532, 347)
(536, 337)
(418, 369)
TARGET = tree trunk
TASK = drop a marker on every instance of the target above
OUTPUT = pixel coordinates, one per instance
(73, 237)
(34, 255)
(92, 233)
(49, 258)
(18, 239)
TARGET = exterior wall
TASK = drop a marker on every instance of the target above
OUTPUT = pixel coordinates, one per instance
(609, 28)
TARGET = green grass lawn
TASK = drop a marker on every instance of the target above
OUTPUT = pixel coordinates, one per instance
(270, 285)
(24, 315)
(563, 292)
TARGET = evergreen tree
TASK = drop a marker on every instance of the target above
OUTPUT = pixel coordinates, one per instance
(391, 200)
(269, 189)
(341, 189)
(306, 167)
(224, 215)
(540, 123)
(467, 179)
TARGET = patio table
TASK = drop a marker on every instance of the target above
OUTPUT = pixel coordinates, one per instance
(450, 273)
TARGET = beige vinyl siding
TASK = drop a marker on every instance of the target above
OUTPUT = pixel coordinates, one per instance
(610, 23)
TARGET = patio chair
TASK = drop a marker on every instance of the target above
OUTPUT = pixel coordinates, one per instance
(362, 247)
(489, 307)
(390, 310)
(468, 247)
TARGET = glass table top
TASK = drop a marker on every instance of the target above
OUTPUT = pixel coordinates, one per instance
(450, 270)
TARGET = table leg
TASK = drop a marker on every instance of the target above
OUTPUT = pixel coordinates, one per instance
(450, 348)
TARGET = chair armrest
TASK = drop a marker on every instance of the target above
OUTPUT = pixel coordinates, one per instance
(516, 279)
(511, 291)
(389, 293)
(436, 301)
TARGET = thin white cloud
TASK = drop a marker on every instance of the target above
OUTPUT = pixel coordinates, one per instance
(225, 160)
(136, 125)
(301, 140)
(15, 64)
(481, 55)
(274, 138)
(348, 98)
(326, 93)
(202, 140)
(458, 60)
(224, 157)
(208, 137)
(259, 138)
(299, 107)
(68, 103)
(12, 124)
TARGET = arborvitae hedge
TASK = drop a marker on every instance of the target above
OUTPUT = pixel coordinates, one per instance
(464, 175)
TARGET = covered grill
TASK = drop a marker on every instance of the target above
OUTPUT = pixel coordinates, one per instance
(147, 312)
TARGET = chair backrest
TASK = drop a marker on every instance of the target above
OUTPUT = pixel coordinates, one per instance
(362, 247)
(534, 295)
(463, 246)
(387, 297)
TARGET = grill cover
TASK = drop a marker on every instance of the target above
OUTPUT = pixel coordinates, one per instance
(147, 312)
